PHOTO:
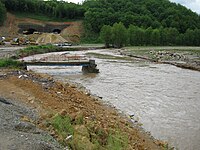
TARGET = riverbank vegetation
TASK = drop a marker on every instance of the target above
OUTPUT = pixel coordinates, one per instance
(41, 49)
(31, 50)
(10, 63)
(119, 36)
(76, 134)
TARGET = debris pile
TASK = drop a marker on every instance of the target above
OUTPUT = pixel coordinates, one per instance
(47, 38)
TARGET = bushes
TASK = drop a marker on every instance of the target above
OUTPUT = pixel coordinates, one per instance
(10, 63)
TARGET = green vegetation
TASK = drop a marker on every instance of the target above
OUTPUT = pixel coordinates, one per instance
(140, 13)
(117, 22)
(117, 36)
(10, 63)
(106, 35)
(2, 13)
(86, 135)
(50, 8)
(37, 50)
(62, 125)
(41, 49)
(149, 22)
(117, 141)
(41, 17)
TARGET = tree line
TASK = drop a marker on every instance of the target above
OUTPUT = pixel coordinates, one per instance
(118, 36)
(145, 22)
(51, 8)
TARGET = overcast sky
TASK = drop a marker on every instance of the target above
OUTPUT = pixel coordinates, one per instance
(194, 5)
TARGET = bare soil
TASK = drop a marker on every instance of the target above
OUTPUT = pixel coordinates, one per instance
(48, 97)
(10, 28)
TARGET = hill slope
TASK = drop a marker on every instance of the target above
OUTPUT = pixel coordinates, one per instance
(10, 28)
(142, 13)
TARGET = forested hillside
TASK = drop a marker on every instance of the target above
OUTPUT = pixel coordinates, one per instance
(141, 13)
(51, 8)
(146, 22)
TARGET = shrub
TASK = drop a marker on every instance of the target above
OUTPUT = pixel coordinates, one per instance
(10, 63)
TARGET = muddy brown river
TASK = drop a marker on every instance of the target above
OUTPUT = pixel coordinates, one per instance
(163, 98)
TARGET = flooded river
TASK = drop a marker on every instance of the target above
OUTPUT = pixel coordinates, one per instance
(164, 98)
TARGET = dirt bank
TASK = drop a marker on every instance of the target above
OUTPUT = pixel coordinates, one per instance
(49, 97)
(17, 122)
(10, 29)
(183, 57)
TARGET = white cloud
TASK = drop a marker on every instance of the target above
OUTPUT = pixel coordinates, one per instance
(194, 5)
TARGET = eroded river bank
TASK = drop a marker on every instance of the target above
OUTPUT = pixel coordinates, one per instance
(163, 98)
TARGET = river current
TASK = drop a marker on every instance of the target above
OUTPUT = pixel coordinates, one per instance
(163, 98)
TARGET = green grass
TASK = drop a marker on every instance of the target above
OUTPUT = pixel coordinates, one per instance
(98, 137)
(35, 50)
(41, 49)
(10, 63)
(62, 125)
(117, 141)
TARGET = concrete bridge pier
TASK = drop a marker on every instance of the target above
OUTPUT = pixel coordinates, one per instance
(91, 68)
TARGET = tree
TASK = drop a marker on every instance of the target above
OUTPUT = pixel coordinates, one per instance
(132, 34)
(189, 37)
(155, 37)
(119, 35)
(2, 13)
(136, 35)
(106, 35)
(148, 34)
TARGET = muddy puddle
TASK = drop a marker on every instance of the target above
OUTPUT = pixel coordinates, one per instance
(163, 98)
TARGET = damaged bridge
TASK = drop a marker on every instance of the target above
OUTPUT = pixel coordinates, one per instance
(87, 65)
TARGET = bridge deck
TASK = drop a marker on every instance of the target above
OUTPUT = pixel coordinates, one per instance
(59, 63)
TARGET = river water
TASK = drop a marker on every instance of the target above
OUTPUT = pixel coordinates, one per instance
(163, 98)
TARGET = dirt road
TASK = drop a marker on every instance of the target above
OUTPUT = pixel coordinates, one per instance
(7, 52)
